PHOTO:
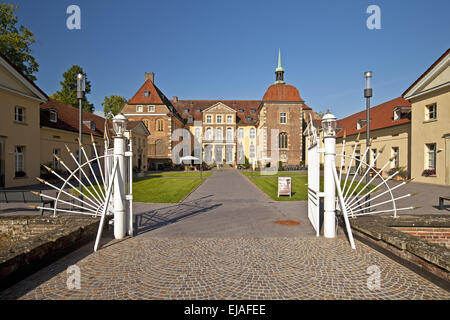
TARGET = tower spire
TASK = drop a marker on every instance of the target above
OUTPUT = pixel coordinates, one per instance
(279, 71)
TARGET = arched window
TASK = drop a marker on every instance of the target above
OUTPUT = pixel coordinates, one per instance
(241, 133)
(229, 134)
(160, 148)
(159, 125)
(208, 134)
(219, 134)
(283, 140)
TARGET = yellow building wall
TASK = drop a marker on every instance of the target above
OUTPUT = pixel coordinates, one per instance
(57, 139)
(20, 134)
(388, 138)
(432, 131)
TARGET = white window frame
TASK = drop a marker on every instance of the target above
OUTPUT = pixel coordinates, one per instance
(229, 134)
(208, 134)
(139, 108)
(373, 161)
(219, 118)
(431, 115)
(18, 115)
(395, 152)
(241, 133)
(252, 133)
(53, 116)
(431, 156)
(19, 159)
(56, 152)
(283, 117)
(151, 108)
(229, 119)
(219, 133)
(209, 118)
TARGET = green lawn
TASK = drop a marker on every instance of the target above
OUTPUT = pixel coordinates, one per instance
(299, 188)
(163, 190)
(278, 174)
(155, 189)
(188, 174)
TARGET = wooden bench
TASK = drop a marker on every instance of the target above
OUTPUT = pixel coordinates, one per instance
(24, 196)
(441, 201)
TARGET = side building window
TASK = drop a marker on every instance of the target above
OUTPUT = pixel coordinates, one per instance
(252, 133)
(431, 156)
(283, 140)
(395, 155)
(19, 114)
(283, 117)
(19, 161)
(160, 125)
(431, 112)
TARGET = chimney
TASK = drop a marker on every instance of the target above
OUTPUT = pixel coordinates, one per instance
(150, 76)
(175, 99)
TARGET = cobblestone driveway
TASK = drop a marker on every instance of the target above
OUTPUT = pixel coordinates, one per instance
(158, 264)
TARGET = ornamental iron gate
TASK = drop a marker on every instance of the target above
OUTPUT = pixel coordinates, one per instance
(93, 194)
(361, 188)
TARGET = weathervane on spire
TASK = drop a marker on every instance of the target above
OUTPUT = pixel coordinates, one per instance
(279, 71)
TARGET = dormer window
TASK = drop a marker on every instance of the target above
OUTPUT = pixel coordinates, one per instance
(190, 118)
(253, 110)
(401, 112)
(186, 110)
(360, 123)
(198, 110)
(90, 124)
(241, 110)
(146, 93)
(249, 118)
(53, 116)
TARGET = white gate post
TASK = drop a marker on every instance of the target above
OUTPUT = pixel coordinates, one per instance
(119, 124)
(329, 221)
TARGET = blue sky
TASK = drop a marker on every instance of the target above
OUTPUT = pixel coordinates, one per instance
(228, 49)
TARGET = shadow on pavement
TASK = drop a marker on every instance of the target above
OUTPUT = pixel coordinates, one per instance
(157, 218)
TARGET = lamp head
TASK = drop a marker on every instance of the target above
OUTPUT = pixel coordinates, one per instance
(329, 125)
(119, 124)
(81, 85)
(368, 87)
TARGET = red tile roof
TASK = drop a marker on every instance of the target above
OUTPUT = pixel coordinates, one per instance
(237, 105)
(381, 117)
(154, 97)
(282, 92)
(68, 118)
(428, 70)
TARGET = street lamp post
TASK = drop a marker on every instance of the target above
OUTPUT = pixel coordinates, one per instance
(329, 203)
(368, 95)
(119, 200)
(81, 88)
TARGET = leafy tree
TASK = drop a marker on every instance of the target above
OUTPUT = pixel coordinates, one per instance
(112, 105)
(15, 41)
(68, 92)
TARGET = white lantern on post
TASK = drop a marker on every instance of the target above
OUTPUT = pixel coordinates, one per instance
(329, 125)
(119, 124)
